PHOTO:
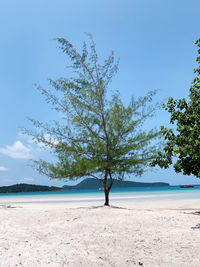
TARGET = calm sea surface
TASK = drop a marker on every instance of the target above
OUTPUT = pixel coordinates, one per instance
(131, 194)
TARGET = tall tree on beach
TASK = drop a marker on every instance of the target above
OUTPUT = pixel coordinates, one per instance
(99, 136)
(182, 148)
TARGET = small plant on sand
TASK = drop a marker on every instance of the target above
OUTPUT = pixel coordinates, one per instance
(99, 136)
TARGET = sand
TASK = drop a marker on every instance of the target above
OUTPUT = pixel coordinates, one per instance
(157, 233)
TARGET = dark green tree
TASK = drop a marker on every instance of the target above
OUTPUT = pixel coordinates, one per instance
(182, 148)
(98, 137)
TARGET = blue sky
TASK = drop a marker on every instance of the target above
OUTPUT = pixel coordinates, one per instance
(154, 40)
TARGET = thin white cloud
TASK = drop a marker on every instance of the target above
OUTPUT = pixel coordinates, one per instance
(27, 179)
(28, 138)
(17, 151)
(48, 138)
(3, 169)
(40, 145)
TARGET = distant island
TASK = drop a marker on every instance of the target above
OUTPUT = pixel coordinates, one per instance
(27, 188)
(91, 183)
(88, 183)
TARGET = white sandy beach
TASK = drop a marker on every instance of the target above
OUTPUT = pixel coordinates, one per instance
(158, 233)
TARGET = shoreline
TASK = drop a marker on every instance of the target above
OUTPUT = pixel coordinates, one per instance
(124, 202)
(137, 198)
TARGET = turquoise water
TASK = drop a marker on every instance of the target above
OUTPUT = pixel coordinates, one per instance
(135, 194)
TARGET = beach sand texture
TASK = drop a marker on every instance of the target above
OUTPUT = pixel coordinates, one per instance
(85, 234)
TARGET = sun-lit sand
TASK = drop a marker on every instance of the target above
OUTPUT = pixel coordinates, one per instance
(148, 233)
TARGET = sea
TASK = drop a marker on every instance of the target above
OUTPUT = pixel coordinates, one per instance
(122, 194)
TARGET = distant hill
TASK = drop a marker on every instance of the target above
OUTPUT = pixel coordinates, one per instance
(88, 183)
(91, 183)
(27, 188)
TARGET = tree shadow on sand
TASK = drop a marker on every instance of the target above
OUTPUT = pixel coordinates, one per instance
(195, 213)
(196, 226)
(102, 206)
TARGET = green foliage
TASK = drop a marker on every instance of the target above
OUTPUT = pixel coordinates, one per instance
(98, 138)
(184, 143)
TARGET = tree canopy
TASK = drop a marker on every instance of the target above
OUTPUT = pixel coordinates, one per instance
(99, 136)
(182, 148)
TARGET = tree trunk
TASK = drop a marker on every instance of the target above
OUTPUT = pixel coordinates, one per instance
(107, 189)
(106, 197)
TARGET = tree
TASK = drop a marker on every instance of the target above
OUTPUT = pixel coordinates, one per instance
(182, 148)
(98, 137)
